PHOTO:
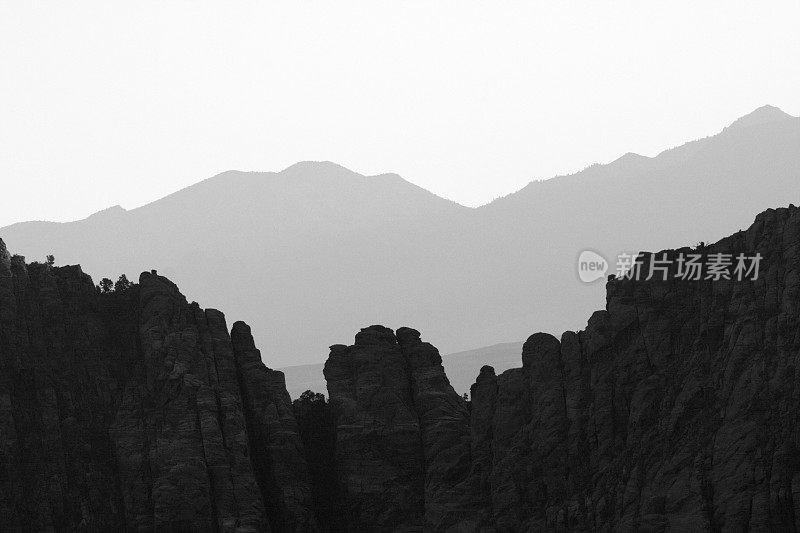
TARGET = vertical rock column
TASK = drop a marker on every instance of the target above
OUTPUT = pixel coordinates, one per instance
(56, 468)
(378, 441)
(10, 494)
(453, 496)
(277, 450)
(180, 432)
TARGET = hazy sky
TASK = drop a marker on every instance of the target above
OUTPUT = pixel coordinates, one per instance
(109, 103)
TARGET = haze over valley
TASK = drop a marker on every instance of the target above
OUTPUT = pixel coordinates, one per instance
(314, 252)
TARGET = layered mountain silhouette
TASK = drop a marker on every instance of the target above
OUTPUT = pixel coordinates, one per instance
(312, 253)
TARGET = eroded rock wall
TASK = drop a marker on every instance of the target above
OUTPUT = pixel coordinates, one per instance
(135, 410)
(676, 409)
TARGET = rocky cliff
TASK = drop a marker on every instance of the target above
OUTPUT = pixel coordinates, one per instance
(674, 410)
(138, 411)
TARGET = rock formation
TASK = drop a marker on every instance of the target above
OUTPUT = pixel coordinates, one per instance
(378, 435)
(135, 410)
(674, 410)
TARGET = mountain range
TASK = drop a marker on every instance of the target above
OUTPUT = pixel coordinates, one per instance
(316, 251)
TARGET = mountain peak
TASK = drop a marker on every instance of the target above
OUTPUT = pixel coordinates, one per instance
(110, 211)
(630, 157)
(317, 168)
(763, 115)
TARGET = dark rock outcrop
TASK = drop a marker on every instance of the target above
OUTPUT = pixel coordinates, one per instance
(403, 435)
(315, 423)
(451, 495)
(278, 454)
(378, 450)
(136, 411)
(674, 410)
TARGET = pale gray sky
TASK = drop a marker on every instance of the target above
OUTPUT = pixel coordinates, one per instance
(109, 103)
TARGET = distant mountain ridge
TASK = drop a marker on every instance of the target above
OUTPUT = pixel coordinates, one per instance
(316, 251)
(461, 368)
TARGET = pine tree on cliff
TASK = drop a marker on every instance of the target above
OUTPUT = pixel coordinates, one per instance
(106, 285)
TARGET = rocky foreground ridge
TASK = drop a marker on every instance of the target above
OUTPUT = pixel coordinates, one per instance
(674, 410)
(138, 411)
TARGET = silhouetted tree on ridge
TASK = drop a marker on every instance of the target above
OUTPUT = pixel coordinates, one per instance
(315, 423)
(106, 285)
(122, 284)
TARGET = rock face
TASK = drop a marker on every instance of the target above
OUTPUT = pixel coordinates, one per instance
(674, 410)
(450, 488)
(136, 411)
(278, 454)
(403, 435)
(378, 435)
